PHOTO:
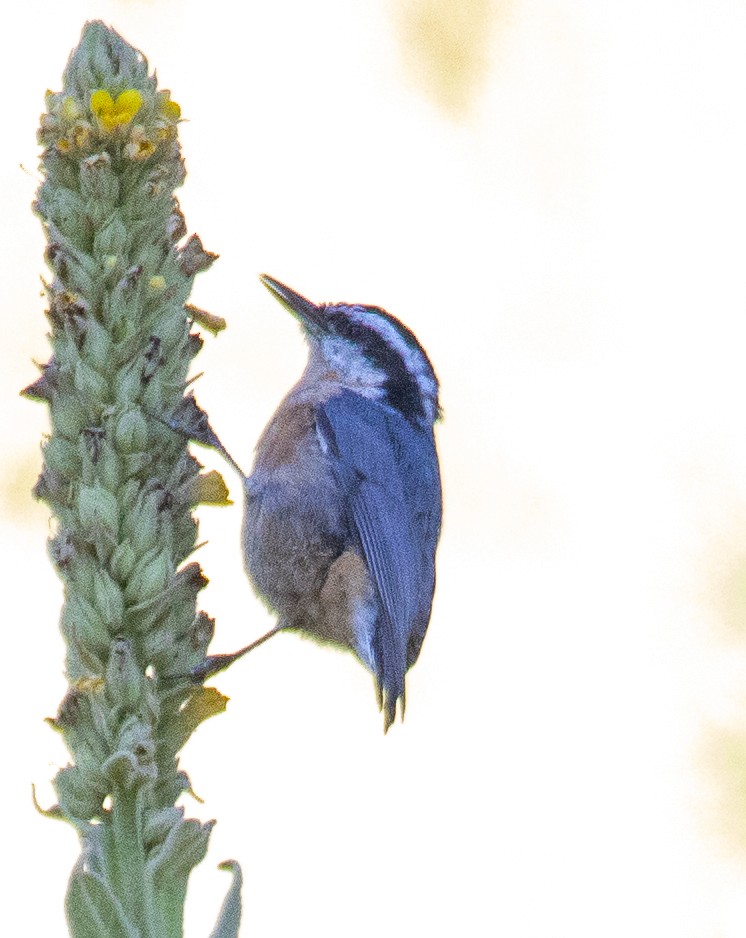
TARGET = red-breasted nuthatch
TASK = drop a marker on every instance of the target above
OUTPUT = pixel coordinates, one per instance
(343, 504)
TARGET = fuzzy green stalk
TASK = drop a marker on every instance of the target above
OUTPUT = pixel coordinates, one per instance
(121, 486)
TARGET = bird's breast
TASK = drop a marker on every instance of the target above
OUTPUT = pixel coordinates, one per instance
(294, 520)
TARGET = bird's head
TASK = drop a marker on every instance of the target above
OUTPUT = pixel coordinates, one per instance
(371, 352)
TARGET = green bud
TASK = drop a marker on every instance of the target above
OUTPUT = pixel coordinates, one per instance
(172, 785)
(83, 660)
(173, 649)
(134, 463)
(124, 680)
(97, 346)
(122, 561)
(83, 572)
(110, 240)
(82, 624)
(172, 333)
(156, 392)
(65, 209)
(128, 495)
(122, 771)
(142, 618)
(80, 794)
(108, 600)
(110, 263)
(90, 383)
(158, 825)
(103, 59)
(68, 415)
(67, 353)
(124, 300)
(161, 646)
(169, 644)
(180, 594)
(141, 524)
(184, 847)
(129, 342)
(80, 278)
(131, 434)
(133, 762)
(109, 467)
(150, 576)
(61, 456)
(98, 508)
(82, 721)
(128, 384)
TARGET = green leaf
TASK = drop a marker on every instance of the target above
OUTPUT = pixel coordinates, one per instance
(92, 909)
(229, 919)
(183, 848)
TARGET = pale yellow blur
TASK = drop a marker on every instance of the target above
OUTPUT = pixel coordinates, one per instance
(551, 194)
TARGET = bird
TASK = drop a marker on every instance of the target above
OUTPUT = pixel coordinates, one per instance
(343, 505)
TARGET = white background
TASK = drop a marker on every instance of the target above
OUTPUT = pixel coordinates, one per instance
(551, 194)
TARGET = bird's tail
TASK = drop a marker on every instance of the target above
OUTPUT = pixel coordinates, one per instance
(391, 668)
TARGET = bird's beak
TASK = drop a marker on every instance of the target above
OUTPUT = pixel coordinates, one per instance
(307, 312)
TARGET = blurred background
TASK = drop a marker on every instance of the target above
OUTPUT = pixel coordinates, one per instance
(551, 194)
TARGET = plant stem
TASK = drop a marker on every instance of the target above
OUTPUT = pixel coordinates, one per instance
(121, 486)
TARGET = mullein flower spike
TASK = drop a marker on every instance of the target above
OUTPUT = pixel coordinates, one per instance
(120, 485)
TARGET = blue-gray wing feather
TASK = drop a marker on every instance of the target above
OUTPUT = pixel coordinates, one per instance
(387, 470)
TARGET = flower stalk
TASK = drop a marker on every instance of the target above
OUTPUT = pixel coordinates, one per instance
(121, 486)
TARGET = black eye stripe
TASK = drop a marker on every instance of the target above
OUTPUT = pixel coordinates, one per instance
(347, 327)
(409, 337)
(358, 325)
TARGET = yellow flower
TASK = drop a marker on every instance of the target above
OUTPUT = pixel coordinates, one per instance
(168, 108)
(112, 114)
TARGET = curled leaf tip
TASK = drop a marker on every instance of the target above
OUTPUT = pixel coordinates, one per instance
(209, 488)
(210, 321)
(54, 812)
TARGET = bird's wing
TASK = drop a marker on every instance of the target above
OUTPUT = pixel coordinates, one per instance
(383, 465)
(421, 480)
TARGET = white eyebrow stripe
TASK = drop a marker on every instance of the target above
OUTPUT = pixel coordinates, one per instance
(415, 362)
